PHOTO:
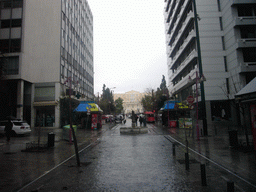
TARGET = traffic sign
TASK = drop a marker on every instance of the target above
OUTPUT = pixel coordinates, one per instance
(190, 99)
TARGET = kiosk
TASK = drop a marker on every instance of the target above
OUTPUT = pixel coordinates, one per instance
(92, 113)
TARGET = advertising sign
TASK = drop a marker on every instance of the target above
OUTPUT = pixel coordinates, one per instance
(94, 121)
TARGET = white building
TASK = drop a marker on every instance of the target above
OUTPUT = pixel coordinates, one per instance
(131, 101)
(227, 31)
(43, 42)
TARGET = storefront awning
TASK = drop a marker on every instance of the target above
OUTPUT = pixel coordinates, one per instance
(45, 103)
(248, 89)
(85, 105)
(174, 105)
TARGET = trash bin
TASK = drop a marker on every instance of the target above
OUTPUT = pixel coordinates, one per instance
(51, 139)
(66, 132)
(233, 139)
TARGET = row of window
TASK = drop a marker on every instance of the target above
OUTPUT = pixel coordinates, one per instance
(11, 65)
(11, 4)
(10, 45)
(9, 23)
(72, 61)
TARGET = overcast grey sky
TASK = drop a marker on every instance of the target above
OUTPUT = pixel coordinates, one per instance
(129, 44)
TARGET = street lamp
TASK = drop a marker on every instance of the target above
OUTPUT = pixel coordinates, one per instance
(200, 68)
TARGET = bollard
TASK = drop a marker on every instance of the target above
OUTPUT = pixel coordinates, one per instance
(187, 161)
(230, 186)
(173, 149)
(203, 175)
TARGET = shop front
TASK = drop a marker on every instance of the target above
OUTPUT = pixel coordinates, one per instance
(246, 98)
(45, 114)
(176, 114)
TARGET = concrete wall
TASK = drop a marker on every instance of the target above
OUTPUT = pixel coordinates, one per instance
(40, 60)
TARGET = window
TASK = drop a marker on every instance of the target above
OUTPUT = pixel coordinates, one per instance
(15, 45)
(218, 2)
(246, 10)
(6, 23)
(4, 48)
(16, 23)
(249, 54)
(11, 65)
(248, 32)
(221, 25)
(227, 85)
(223, 43)
(44, 93)
(225, 64)
(17, 3)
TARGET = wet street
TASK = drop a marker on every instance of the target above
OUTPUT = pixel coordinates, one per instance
(111, 161)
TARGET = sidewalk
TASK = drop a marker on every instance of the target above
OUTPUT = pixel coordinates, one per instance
(236, 164)
(19, 168)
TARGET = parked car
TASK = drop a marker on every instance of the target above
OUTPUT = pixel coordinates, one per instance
(18, 127)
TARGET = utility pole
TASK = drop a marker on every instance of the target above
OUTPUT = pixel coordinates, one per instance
(71, 126)
(200, 71)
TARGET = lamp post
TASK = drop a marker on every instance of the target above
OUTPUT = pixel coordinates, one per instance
(200, 70)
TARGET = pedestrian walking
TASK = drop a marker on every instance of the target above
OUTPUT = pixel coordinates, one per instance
(140, 120)
(8, 130)
(144, 121)
(136, 119)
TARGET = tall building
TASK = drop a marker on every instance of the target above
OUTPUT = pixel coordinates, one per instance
(227, 34)
(44, 45)
(131, 101)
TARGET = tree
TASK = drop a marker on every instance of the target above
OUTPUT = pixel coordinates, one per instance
(119, 105)
(163, 84)
(106, 102)
(146, 102)
(154, 100)
(238, 107)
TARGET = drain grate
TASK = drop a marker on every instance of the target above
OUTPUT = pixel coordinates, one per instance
(191, 161)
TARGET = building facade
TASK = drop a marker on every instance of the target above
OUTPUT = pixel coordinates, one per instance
(47, 47)
(227, 34)
(131, 101)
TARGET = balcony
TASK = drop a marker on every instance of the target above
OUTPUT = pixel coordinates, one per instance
(190, 16)
(179, 16)
(239, 2)
(184, 82)
(247, 67)
(190, 36)
(245, 21)
(186, 62)
(246, 43)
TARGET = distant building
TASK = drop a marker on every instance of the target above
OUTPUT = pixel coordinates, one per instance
(227, 32)
(132, 101)
(44, 42)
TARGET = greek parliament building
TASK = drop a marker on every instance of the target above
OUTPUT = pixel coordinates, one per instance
(131, 101)
(45, 45)
(227, 34)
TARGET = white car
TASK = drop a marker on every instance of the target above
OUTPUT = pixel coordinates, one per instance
(18, 127)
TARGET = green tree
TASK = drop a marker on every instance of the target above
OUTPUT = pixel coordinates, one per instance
(106, 102)
(119, 105)
(146, 102)
(154, 100)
